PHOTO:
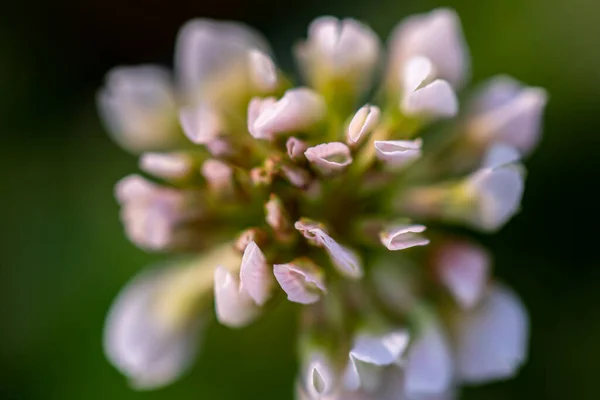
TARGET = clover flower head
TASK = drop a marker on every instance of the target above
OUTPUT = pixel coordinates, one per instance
(322, 197)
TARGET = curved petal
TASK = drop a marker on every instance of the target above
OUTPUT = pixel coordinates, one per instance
(398, 153)
(363, 123)
(401, 237)
(233, 306)
(329, 157)
(302, 281)
(255, 275)
(148, 349)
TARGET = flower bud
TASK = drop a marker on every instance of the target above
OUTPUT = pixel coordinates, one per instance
(362, 124)
(295, 148)
(138, 106)
(298, 110)
(329, 157)
(278, 218)
(218, 175)
(398, 154)
(343, 52)
(169, 166)
(505, 111)
(463, 268)
(319, 376)
(491, 340)
(301, 280)
(401, 237)
(436, 35)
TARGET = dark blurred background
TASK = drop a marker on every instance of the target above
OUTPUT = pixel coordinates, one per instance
(64, 256)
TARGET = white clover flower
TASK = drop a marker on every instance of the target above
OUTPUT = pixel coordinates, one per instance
(315, 195)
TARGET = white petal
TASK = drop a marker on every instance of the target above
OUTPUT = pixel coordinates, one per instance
(398, 153)
(428, 367)
(402, 237)
(329, 157)
(138, 106)
(498, 193)
(169, 166)
(417, 71)
(363, 123)
(262, 71)
(492, 339)
(344, 260)
(211, 55)
(500, 155)
(143, 346)
(434, 100)
(302, 282)
(505, 111)
(255, 275)
(436, 35)
(256, 107)
(233, 305)
(299, 109)
(463, 268)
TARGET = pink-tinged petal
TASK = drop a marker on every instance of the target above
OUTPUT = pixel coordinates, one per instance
(172, 166)
(255, 108)
(436, 35)
(428, 366)
(256, 276)
(263, 71)
(132, 187)
(138, 106)
(344, 260)
(491, 340)
(145, 347)
(218, 174)
(201, 124)
(210, 55)
(233, 305)
(295, 148)
(302, 281)
(298, 177)
(505, 111)
(401, 237)
(329, 157)
(363, 123)
(299, 109)
(464, 268)
(398, 153)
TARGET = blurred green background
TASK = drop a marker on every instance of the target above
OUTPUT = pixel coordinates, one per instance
(64, 256)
